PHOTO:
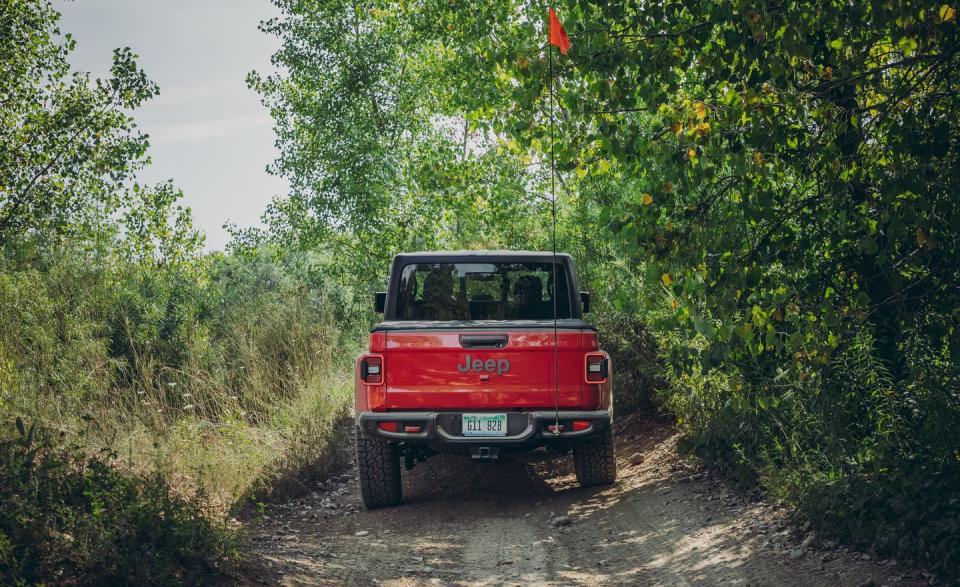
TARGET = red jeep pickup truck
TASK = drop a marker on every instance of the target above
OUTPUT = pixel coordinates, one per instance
(469, 359)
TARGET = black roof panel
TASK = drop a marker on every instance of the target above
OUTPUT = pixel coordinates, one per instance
(486, 255)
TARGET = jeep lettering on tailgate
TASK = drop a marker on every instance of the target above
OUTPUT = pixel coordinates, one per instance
(481, 353)
(500, 366)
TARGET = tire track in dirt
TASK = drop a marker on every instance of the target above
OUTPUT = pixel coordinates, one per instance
(479, 524)
(508, 550)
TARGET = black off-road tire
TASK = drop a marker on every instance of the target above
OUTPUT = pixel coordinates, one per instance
(378, 464)
(595, 460)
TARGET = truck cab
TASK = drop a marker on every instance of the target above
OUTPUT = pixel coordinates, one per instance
(481, 353)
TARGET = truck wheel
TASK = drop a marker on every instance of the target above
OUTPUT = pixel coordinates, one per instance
(594, 460)
(378, 464)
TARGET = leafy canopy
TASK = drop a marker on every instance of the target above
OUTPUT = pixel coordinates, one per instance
(770, 187)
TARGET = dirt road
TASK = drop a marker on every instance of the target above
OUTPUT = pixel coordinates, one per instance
(526, 522)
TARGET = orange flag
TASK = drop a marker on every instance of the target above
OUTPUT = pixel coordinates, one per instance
(558, 36)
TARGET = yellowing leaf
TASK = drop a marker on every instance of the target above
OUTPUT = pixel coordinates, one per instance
(691, 154)
(758, 157)
(701, 109)
(947, 13)
(647, 199)
(667, 187)
(924, 240)
(703, 128)
(666, 279)
(677, 128)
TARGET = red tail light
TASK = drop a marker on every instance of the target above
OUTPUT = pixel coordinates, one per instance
(596, 368)
(388, 426)
(579, 425)
(371, 370)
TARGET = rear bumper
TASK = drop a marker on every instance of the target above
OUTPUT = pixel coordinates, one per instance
(523, 427)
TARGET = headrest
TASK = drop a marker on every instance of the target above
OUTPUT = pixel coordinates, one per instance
(528, 288)
(438, 284)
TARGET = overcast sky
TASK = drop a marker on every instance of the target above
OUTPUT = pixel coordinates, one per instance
(208, 132)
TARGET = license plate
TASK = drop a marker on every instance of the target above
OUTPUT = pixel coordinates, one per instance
(484, 424)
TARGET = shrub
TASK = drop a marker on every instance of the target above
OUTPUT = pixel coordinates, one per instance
(71, 517)
(870, 459)
(633, 351)
(216, 379)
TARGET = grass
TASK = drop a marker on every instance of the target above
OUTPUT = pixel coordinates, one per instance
(233, 460)
(169, 492)
(70, 517)
(177, 395)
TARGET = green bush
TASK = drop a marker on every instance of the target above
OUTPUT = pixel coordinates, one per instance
(633, 351)
(869, 459)
(219, 380)
(152, 369)
(68, 517)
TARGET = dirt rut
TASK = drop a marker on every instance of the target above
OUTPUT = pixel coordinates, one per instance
(524, 521)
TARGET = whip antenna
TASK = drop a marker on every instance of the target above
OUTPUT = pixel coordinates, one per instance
(556, 284)
(558, 37)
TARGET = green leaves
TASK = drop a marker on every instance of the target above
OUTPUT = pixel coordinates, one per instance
(67, 143)
(704, 327)
(765, 189)
(908, 45)
(869, 246)
(392, 139)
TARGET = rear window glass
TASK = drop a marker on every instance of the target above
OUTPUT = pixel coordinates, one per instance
(481, 291)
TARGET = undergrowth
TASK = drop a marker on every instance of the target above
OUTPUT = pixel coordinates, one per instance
(73, 518)
(161, 400)
(870, 459)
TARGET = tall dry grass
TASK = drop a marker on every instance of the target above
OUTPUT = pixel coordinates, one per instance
(227, 375)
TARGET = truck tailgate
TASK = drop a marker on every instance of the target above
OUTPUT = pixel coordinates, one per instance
(479, 370)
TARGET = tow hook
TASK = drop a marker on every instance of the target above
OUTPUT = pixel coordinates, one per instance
(484, 452)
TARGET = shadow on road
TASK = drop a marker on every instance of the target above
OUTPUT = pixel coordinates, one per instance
(484, 523)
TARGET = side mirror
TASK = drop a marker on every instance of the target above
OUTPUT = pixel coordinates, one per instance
(380, 301)
(585, 301)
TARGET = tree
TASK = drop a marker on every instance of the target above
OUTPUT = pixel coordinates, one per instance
(783, 179)
(376, 161)
(67, 141)
(771, 187)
